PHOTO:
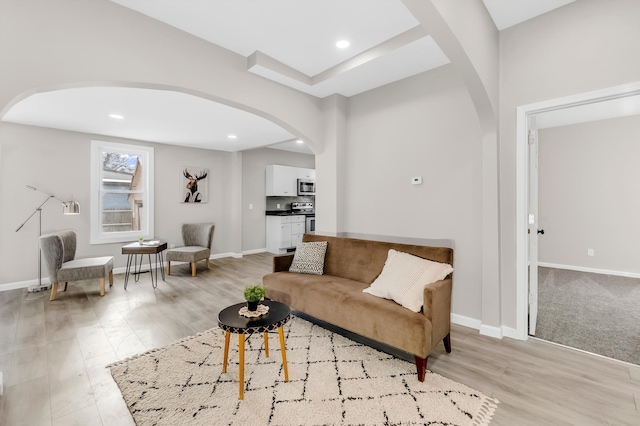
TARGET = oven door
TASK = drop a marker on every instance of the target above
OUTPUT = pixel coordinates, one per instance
(306, 187)
(311, 225)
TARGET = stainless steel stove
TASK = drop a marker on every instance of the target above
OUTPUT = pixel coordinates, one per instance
(306, 209)
(302, 208)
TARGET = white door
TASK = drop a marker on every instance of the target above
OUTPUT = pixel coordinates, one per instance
(533, 230)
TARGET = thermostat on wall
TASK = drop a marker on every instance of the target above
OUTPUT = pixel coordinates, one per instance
(416, 180)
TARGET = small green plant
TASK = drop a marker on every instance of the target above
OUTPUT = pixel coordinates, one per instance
(254, 293)
(141, 238)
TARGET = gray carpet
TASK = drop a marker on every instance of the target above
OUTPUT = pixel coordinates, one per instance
(593, 312)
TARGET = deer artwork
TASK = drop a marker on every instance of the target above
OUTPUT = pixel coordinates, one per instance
(193, 196)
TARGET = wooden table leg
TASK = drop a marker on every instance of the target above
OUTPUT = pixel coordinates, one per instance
(241, 353)
(284, 354)
(227, 335)
(266, 344)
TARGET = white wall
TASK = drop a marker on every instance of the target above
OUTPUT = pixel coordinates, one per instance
(589, 195)
(422, 126)
(587, 45)
(584, 46)
(254, 163)
(58, 162)
(48, 45)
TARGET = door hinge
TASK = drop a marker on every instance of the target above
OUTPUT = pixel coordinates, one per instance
(532, 138)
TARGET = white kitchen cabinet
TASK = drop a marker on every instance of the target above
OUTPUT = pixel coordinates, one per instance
(306, 173)
(284, 233)
(281, 180)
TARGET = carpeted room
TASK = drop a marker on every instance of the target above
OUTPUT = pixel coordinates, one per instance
(589, 283)
(468, 192)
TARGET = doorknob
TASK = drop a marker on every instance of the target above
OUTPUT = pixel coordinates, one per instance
(541, 231)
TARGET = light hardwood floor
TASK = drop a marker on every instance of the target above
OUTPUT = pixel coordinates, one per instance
(53, 353)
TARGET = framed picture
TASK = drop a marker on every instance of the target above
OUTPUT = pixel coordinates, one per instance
(194, 185)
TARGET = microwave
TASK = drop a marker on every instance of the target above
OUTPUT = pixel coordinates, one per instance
(306, 187)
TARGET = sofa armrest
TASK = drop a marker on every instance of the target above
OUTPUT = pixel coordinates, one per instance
(282, 263)
(437, 308)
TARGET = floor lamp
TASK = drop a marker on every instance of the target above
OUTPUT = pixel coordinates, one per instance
(68, 207)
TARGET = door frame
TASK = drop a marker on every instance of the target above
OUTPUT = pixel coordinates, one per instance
(523, 115)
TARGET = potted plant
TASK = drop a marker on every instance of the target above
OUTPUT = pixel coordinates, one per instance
(253, 295)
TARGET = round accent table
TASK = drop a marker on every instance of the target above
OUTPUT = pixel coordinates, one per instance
(231, 321)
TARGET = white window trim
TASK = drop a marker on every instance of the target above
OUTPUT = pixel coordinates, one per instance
(97, 236)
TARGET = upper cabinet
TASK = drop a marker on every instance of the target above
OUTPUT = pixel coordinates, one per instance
(306, 173)
(283, 180)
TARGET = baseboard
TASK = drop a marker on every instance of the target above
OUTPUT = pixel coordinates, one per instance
(491, 331)
(119, 270)
(228, 254)
(466, 321)
(511, 333)
(485, 330)
(22, 284)
(254, 251)
(591, 270)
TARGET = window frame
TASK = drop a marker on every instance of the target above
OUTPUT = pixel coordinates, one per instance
(98, 236)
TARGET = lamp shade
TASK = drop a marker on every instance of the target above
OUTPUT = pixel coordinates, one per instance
(71, 207)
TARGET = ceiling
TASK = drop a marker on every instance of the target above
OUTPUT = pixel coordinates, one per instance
(292, 42)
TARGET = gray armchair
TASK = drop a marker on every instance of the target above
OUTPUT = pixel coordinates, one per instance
(197, 238)
(59, 252)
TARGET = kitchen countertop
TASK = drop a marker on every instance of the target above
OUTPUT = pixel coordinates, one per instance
(286, 213)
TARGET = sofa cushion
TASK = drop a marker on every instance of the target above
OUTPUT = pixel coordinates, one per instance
(341, 302)
(309, 258)
(362, 260)
(404, 277)
(187, 254)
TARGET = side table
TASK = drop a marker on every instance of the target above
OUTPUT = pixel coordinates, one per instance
(231, 321)
(148, 248)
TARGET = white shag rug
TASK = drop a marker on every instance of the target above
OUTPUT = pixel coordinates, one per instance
(332, 381)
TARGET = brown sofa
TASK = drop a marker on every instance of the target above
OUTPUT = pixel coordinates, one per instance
(336, 297)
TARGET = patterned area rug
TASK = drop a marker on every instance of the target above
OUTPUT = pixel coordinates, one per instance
(332, 381)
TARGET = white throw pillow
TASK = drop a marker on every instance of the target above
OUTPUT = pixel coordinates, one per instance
(309, 258)
(404, 277)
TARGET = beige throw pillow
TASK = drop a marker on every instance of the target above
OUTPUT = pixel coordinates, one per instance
(309, 258)
(404, 277)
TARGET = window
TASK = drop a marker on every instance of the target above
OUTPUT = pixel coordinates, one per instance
(121, 192)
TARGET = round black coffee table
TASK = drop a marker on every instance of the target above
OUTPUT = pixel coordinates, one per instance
(232, 322)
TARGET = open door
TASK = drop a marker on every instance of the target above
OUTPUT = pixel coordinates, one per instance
(533, 228)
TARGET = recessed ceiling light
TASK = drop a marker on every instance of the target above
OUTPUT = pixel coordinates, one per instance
(232, 136)
(116, 116)
(342, 44)
(299, 141)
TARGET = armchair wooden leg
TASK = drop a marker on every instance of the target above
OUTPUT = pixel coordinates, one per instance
(193, 269)
(102, 286)
(54, 290)
(447, 343)
(421, 365)
(110, 279)
(208, 264)
(168, 267)
(65, 285)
